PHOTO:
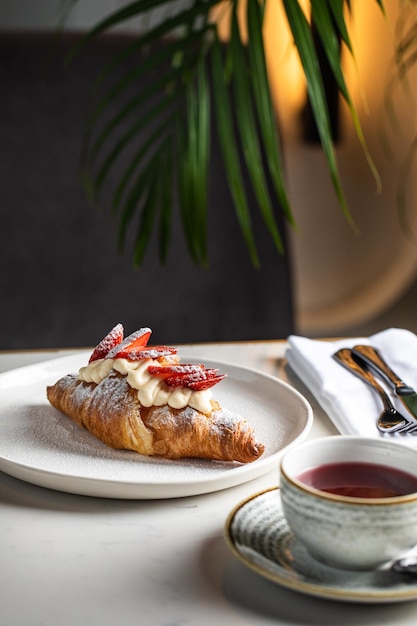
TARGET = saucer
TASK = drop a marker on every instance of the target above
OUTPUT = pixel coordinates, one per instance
(258, 534)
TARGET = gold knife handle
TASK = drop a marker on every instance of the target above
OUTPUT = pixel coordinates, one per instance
(373, 358)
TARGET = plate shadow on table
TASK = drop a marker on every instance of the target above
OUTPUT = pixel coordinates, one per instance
(15, 492)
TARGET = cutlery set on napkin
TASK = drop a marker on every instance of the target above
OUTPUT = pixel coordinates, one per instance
(335, 372)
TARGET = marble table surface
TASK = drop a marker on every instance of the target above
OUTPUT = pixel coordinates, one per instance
(68, 559)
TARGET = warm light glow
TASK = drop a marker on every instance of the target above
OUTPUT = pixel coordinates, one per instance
(345, 279)
(367, 26)
(221, 14)
(286, 76)
(284, 68)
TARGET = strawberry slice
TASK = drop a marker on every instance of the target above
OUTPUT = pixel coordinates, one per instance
(133, 342)
(151, 352)
(195, 378)
(112, 339)
(183, 369)
(201, 385)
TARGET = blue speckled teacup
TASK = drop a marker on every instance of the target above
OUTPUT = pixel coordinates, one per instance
(344, 531)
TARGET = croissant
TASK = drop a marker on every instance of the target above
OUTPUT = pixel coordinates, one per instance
(111, 411)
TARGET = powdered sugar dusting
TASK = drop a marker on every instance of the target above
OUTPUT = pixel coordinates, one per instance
(129, 340)
(40, 445)
(113, 338)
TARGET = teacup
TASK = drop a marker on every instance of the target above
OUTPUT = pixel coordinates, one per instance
(352, 501)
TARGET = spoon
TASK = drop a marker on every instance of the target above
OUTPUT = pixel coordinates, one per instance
(405, 565)
(390, 420)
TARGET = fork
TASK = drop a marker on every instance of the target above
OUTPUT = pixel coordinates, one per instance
(389, 420)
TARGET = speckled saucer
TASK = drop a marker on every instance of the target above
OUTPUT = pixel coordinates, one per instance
(258, 535)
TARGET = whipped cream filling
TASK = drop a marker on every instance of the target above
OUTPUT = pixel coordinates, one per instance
(152, 390)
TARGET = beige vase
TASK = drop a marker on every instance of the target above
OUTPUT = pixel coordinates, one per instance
(342, 278)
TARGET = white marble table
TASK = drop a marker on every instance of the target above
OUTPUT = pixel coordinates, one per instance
(68, 560)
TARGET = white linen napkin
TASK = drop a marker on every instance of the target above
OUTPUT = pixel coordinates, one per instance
(349, 402)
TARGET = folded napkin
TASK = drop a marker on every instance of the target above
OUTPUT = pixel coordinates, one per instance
(349, 402)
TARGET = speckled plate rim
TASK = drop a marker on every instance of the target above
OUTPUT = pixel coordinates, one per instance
(285, 575)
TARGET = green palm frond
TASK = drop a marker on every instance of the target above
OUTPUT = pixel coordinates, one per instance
(154, 107)
(247, 124)
(328, 16)
(264, 108)
(230, 151)
(304, 43)
(193, 163)
(154, 120)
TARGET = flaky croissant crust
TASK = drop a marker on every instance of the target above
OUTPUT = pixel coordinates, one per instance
(111, 411)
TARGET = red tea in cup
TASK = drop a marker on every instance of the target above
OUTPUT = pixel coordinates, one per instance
(360, 480)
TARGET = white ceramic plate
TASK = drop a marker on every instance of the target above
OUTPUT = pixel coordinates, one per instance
(258, 535)
(41, 446)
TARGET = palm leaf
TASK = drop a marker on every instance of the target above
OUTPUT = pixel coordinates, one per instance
(137, 199)
(248, 130)
(228, 143)
(146, 148)
(169, 89)
(165, 92)
(133, 132)
(337, 8)
(164, 76)
(147, 220)
(197, 11)
(263, 102)
(166, 183)
(150, 37)
(323, 13)
(132, 10)
(308, 56)
(192, 166)
(198, 145)
(161, 134)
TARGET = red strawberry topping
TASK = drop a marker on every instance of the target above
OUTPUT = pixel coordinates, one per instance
(183, 369)
(135, 347)
(133, 342)
(201, 385)
(194, 376)
(150, 352)
(112, 339)
(196, 380)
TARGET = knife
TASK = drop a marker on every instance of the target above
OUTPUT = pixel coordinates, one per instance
(373, 358)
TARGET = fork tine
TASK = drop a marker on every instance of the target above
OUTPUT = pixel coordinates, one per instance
(410, 428)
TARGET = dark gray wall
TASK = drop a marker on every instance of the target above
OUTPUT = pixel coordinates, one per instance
(62, 282)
